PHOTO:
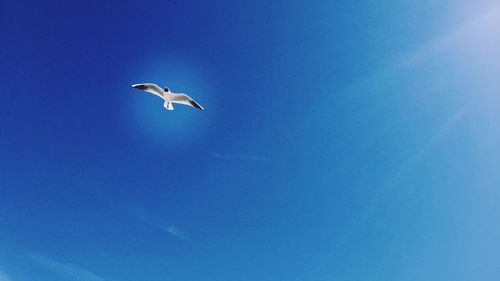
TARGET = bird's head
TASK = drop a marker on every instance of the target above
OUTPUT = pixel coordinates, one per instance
(166, 89)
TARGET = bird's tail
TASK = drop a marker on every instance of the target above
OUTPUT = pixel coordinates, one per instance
(168, 105)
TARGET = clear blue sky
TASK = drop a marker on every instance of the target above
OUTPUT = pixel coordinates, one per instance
(341, 140)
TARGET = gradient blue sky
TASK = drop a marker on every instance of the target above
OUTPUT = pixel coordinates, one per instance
(342, 140)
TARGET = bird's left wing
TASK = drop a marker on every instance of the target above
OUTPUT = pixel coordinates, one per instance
(150, 88)
(186, 100)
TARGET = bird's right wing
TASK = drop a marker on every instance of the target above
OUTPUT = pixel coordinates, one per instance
(150, 88)
(186, 100)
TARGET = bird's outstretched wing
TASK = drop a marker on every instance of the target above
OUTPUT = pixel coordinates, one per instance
(150, 88)
(186, 100)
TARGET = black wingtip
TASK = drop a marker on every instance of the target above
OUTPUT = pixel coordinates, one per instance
(193, 103)
(139, 86)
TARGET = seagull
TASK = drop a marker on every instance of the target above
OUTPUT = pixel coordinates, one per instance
(168, 96)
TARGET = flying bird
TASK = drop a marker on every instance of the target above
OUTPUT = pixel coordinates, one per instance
(168, 96)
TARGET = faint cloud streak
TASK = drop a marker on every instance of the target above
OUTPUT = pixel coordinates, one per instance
(65, 270)
(160, 224)
(174, 231)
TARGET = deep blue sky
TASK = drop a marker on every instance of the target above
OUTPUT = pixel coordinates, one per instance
(341, 140)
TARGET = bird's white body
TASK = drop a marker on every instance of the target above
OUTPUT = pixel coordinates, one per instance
(169, 97)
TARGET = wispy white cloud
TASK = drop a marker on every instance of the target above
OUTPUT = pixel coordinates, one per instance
(174, 231)
(241, 156)
(4, 276)
(63, 269)
(151, 220)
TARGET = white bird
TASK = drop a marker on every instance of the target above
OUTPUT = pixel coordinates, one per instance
(168, 96)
